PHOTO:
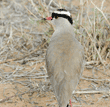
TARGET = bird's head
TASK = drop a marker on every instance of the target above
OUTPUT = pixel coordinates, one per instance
(60, 18)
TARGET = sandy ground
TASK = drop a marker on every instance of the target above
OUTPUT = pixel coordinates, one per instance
(47, 99)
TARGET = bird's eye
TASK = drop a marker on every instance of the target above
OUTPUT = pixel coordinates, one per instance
(56, 17)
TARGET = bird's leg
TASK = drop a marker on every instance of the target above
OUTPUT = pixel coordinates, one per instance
(70, 103)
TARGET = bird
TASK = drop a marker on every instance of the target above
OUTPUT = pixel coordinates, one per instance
(64, 57)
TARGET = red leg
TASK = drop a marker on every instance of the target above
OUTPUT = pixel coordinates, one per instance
(70, 103)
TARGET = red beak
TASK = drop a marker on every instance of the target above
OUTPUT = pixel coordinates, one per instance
(49, 18)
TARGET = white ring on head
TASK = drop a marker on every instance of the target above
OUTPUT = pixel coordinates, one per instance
(63, 12)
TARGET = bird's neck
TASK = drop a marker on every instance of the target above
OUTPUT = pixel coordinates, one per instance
(63, 28)
(62, 25)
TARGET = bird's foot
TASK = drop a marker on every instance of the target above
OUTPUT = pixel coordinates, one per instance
(69, 105)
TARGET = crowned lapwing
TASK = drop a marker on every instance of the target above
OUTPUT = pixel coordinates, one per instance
(64, 57)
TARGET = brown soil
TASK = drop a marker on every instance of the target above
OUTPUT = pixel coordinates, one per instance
(47, 98)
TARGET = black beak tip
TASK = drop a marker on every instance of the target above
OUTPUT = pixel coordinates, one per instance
(44, 19)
